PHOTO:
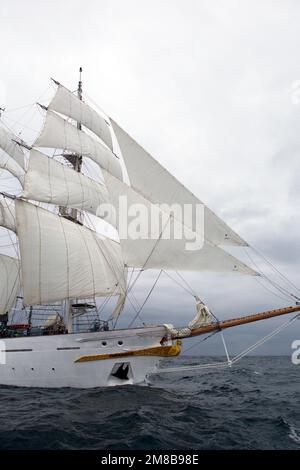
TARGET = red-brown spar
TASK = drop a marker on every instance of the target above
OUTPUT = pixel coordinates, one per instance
(239, 321)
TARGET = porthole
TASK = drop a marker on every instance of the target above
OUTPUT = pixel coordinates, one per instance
(104, 343)
(53, 368)
(32, 368)
(120, 343)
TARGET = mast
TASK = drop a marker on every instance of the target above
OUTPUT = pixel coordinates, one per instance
(73, 158)
(76, 162)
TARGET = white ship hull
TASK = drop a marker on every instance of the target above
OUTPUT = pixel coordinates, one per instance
(80, 360)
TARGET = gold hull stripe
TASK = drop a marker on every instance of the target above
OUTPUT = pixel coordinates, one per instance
(163, 351)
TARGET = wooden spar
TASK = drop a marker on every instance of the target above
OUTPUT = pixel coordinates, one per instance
(239, 321)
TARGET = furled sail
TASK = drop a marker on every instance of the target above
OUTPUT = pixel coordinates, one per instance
(9, 282)
(58, 133)
(61, 259)
(154, 182)
(154, 248)
(7, 213)
(10, 147)
(49, 181)
(65, 102)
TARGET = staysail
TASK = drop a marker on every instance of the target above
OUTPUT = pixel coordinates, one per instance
(65, 102)
(49, 181)
(9, 282)
(59, 133)
(153, 250)
(61, 259)
(149, 178)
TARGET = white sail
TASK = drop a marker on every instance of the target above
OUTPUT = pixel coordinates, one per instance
(49, 181)
(9, 282)
(172, 255)
(58, 133)
(9, 164)
(155, 249)
(7, 213)
(154, 182)
(64, 260)
(65, 102)
(10, 147)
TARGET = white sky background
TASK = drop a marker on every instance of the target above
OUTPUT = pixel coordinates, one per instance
(207, 88)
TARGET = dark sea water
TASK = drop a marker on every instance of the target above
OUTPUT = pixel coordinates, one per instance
(254, 405)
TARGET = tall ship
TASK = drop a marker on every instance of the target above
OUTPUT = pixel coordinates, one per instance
(62, 272)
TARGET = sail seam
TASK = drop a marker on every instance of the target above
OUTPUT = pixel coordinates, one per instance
(49, 178)
(109, 263)
(40, 253)
(89, 255)
(67, 255)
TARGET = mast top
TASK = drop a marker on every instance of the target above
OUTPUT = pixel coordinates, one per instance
(79, 90)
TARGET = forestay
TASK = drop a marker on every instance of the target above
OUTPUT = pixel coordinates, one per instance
(9, 282)
(65, 102)
(60, 134)
(49, 181)
(154, 182)
(61, 259)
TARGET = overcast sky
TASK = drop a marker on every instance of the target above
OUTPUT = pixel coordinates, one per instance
(211, 89)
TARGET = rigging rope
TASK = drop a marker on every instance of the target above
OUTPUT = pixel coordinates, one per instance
(189, 290)
(187, 284)
(286, 298)
(10, 110)
(277, 286)
(201, 341)
(30, 107)
(276, 269)
(178, 283)
(150, 254)
(14, 123)
(147, 297)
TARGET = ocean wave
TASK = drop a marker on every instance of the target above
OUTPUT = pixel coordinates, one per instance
(232, 409)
